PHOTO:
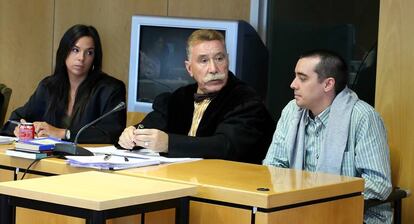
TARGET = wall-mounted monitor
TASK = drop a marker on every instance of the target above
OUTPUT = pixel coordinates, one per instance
(158, 52)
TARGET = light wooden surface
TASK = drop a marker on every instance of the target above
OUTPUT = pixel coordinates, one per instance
(26, 43)
(51, 165)
(134, 118)
(218, 9)
(206, 213)
(96, 190)
(29, 216)
(394, 98)
(348, 210)
(59, 166)
(238, 182)
(6, 175)
(231, 182)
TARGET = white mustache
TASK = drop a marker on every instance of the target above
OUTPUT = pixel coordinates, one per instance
(216, 76)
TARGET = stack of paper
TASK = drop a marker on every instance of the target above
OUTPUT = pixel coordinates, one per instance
(26, 155)
(37, 148)
(37, 144)
(7, 139)
(143, 154)
(109, 162)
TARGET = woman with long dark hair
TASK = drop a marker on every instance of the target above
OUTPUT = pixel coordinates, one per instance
(76, 93)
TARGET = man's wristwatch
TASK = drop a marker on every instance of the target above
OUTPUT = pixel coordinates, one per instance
(67, 134)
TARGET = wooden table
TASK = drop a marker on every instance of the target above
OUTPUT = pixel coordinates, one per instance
(94, 196)
(44, 167)
(228, 192)
(265, 194)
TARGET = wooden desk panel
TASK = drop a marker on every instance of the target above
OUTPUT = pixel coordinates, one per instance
(235, 185)
(207, 213)
(221, 181)
(235, 182)
(47, 166)
(96, 191)
(348, 210)
(29, 216)
(6, 175)
(51, 166)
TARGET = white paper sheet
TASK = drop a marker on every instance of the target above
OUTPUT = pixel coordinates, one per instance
(7, 139)
(143, 153)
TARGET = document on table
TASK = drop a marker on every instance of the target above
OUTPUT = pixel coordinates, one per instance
(109, 162)
(142, 154)
(7, 139)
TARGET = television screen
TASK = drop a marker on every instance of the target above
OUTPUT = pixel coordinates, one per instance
(158, 52)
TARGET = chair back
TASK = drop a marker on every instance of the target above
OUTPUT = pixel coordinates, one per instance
(5, 94)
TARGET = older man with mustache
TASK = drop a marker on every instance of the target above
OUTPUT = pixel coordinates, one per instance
(218, 117)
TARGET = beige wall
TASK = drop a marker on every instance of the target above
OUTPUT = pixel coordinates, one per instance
(219, 9)
(31, 31)
(25, 46)
(394, 94)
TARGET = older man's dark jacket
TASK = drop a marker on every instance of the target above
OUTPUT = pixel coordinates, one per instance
(235, 126)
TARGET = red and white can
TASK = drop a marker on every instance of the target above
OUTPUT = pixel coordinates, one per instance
(26, 131)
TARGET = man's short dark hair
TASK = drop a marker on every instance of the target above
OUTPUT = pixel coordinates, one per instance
(331, 65)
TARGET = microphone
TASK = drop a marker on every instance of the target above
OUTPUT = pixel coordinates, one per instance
(73, 148)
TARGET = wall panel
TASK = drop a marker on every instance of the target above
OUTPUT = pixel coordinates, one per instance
(219, 9)
(394, 95)
(25, 46)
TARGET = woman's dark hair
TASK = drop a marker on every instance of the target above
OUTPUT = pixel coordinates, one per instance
(58, 85)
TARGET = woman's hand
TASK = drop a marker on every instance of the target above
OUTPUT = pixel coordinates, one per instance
(17, 128)
(44, 129)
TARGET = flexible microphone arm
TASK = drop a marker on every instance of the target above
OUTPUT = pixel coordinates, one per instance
(118, 107)
(73, 148)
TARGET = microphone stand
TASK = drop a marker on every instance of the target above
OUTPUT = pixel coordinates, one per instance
(73, 148)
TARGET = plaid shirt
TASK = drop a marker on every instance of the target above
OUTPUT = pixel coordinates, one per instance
(366, 154)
